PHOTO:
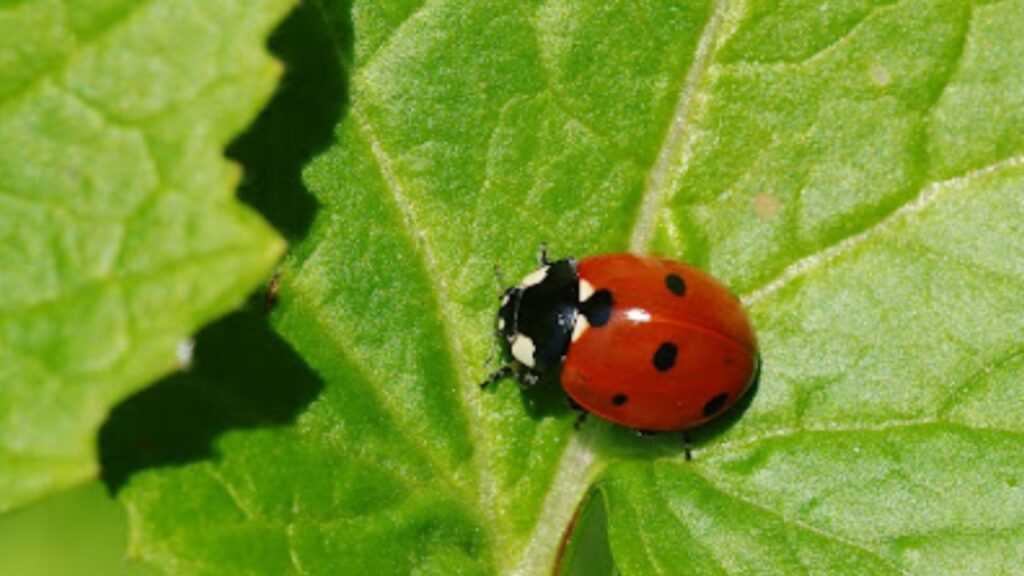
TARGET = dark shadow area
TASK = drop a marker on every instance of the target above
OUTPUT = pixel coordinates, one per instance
(585, 548)
(545, 399)
(243, 375)
(299, 121)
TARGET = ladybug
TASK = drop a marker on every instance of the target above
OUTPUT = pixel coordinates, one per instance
(646, 342)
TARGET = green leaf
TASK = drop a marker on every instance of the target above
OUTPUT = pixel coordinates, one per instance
(120, 233)
(886, 437)
(80, 532)
(854, 171)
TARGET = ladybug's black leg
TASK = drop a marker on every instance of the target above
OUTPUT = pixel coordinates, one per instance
(645, 433)
(499, 374)
(542, 256)
(527, 377)
(580, 419)
(572, 403)
(581, 415)
(688, 445)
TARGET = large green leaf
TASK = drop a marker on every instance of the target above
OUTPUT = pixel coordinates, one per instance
(855, 172)
(120, 233)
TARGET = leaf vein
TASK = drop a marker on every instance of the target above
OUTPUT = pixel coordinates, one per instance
(119, 21)
(233, 495)
(568, 487)
(441, 297)
(642, 535)
(429, 456)
(674, 155)
(681, 522)
(827, 49)
(560, 101)
(881, 427)
(975, 380)
(928, 195)
(396, 33)
(786, 520)
(113, 282)
(293, 553)
(957, 60)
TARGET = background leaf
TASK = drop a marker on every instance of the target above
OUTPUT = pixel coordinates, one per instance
(817, 158)
(120, 233)
(80, 532)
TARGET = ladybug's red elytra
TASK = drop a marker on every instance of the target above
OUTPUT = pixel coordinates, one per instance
(645, 342)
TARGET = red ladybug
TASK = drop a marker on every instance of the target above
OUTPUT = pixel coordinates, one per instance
(642, 341)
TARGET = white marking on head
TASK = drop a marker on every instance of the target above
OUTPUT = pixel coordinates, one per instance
(522, 350)
(581, 326)
(638, 315)
(535, 277)
(501, 323)
(586, 290)
(504, 299)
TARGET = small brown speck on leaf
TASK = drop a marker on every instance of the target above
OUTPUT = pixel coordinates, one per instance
(766, 206)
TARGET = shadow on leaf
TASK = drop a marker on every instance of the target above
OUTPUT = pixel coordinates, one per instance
(545, 399)
(243, 376)
(298, 123)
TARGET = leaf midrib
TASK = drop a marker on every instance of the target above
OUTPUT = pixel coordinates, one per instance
(676, 149)
(430, 457)
(421, 244)
(671, 159)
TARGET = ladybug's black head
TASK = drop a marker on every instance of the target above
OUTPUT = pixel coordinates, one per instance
(537, 317)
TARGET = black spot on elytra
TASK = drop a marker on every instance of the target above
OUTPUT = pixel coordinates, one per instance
(665, 356)
(715, 404)
(619, 399)
(598, 308)
(675, 284)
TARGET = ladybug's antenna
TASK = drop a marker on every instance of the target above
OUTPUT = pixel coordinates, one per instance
(501, 280)
(503, 372)
(542, 255)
